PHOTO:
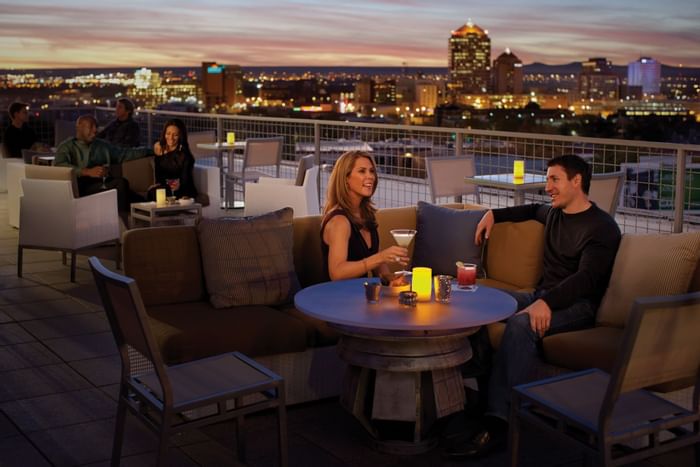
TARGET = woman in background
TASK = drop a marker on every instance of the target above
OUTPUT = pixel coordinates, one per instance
(174, 162)
(349, 236)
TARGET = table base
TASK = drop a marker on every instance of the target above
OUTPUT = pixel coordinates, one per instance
(404, 383)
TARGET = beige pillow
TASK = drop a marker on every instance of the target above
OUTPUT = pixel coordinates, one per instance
(514, 253)
(248, 261)
(645, 266)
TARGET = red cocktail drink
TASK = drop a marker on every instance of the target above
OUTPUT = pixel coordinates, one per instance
(466, 276)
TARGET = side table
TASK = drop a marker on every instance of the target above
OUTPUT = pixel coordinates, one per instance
(149, 214)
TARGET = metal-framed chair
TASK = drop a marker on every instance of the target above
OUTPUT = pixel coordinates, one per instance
(446, 177)
(597, 412)
(259, 152)
(165, 398)
(605, 190)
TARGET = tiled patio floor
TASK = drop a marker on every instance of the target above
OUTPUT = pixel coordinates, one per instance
(58, 375)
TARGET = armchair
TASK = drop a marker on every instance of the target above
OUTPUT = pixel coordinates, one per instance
(51, 217)
(271, 193)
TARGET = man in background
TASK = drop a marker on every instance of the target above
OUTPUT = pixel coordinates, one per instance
(18, 135)
(123, 131)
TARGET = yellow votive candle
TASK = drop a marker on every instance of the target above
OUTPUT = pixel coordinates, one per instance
(160, 197)
(518, 169)
(230, 137)
(422, 283)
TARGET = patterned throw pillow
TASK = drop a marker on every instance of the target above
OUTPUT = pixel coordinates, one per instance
(249, 261)
(444, 237)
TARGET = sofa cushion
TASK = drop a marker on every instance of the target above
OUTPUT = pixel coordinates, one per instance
(249, 261)
(587, 348)
(648, 265)
(166, 264)
(445, 236)
(308, 259)
(187, 331)
(514, 253)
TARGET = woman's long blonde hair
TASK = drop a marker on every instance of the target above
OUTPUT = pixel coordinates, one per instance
(338, 195)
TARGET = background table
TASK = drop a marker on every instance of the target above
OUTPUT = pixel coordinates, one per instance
(151, 214)
(530, 182)
(220, 148)
(403, 362)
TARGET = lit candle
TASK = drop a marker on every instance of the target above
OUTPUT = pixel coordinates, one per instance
(160, 197)
(422, 283)
(518, 169)
(230, 137)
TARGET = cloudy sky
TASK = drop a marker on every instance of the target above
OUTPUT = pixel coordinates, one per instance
(91, 33)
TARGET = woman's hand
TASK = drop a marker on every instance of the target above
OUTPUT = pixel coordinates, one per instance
(157, 149)
(395, 254)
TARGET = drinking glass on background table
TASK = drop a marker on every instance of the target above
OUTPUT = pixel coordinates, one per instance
(104, 175)
(173, 185)
(466, 276)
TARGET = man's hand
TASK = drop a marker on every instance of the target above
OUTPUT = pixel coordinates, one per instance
(95, 172)
(540, 316)
(483, 228)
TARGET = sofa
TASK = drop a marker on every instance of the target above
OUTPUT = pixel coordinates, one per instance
(302, 349)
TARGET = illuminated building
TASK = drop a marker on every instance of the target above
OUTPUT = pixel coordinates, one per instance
(222, 85)
(405, 91)
(507, 74)
(364, 91)
(385, 92)
(469, 61)
(426, 95)
(597, 80)
(645, 72)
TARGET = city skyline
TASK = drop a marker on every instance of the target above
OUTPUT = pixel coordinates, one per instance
(79, 33)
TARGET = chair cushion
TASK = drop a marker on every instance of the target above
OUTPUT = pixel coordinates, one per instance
(514, 253)
(188, 331)
(445, 236)
(648, 265)
(249, 261)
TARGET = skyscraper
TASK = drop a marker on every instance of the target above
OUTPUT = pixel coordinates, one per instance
(507, 74)
(469, 60)
(645, 72)
(222, 84)
(597, 80)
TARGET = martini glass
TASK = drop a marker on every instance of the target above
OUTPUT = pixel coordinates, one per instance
(403, 237)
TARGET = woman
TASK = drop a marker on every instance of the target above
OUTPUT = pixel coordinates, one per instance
(174, 162)
(349, 237)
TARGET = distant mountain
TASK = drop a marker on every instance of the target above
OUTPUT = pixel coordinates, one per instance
(542, 68)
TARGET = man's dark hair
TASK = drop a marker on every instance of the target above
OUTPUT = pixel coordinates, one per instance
(573, 165)
(15, 108)
(128, 105)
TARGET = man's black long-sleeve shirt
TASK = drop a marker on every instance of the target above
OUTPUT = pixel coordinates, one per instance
(579, 251)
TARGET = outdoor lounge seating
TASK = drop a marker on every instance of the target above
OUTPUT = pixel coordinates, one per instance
(259, 152)
(446, 177)
(165, 397)
(594, 411)
(605, 190)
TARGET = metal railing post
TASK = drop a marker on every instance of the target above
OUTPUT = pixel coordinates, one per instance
(317, 157)
(679, 191)
(459, 143)
(149, 125)
(219, 129)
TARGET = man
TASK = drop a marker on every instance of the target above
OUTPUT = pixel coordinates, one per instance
(18, 135)
(123, 131)
(91, 157)
(581, 241)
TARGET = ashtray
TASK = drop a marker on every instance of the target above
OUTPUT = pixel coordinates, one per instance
(186, 201)
(394, 290)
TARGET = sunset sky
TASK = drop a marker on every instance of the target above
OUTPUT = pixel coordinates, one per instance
(89, 33)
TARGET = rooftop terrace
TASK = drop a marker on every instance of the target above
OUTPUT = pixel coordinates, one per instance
(58, 384)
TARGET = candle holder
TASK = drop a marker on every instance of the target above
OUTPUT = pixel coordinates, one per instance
(408, 298)
(160, 197)
(230, 137)
(519, 169)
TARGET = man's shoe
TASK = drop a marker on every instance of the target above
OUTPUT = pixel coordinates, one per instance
(481, 444)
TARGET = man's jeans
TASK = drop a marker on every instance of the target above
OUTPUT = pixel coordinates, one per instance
(519, 349)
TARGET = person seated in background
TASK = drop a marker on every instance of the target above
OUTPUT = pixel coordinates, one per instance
(174, 162)
(123, 131)
(18, 135)
(90, 158)
(349, 235)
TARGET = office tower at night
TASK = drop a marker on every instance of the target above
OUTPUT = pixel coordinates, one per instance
(507, 74)
(645, 72)
(469, 60)
(222, 84)
(597, 81)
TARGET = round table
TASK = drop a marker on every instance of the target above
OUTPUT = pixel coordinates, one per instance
(403, 361)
